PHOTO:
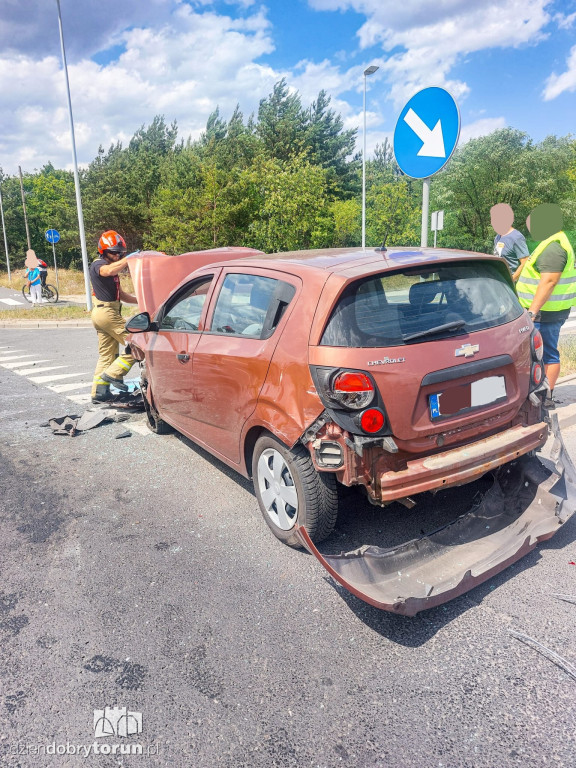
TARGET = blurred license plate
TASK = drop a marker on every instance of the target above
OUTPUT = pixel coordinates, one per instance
(467, 396)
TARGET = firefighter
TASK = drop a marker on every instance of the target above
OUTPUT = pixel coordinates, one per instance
(107, 316)
(547, 284)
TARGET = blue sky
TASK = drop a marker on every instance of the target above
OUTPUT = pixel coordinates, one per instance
(507, 62)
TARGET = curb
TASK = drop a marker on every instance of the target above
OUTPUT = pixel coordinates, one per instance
(568, 418)
(566, 379)
(37, 324)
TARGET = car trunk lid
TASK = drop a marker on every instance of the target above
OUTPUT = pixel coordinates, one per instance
(155, 274)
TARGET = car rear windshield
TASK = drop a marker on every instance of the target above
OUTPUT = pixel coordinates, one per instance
(420, 304)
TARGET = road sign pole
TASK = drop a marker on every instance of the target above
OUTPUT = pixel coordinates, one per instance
(5, 240)
(55, 267)
(425, 207)
(435, 233)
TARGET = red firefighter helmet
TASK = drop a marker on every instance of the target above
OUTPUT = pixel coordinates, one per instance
(111, 241)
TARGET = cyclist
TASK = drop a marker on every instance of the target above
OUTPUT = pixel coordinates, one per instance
(43, 267)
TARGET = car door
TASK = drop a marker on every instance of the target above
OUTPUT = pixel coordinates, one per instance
(232, 357)
(171, 353)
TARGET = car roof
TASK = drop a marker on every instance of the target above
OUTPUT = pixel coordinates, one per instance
(350, 262)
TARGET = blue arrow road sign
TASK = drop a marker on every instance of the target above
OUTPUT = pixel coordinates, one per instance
(426, 133)
(52, 235)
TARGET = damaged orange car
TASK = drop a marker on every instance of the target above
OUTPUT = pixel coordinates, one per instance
(398, 371)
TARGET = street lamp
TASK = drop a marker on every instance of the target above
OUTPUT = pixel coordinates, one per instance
(369, 71)
(76, 177)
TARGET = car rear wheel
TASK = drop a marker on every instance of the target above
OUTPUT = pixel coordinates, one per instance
(155, 423)
(290, 491)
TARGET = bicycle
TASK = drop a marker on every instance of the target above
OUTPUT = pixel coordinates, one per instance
(49, 294)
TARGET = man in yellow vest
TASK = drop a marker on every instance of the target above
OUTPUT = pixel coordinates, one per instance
(547, 283)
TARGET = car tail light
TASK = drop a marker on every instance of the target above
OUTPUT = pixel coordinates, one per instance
(372, 420)
(537, 345)
(352, 389)
(537, 374)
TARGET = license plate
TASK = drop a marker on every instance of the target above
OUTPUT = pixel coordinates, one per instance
(465, 397)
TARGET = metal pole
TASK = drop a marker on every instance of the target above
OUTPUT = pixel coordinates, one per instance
(55, 267)
(435, 233)
(24, 207)
(364, 171)
(425, 207)
(5, 239)
(76, 177)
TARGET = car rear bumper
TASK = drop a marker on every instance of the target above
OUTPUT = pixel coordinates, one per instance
(527, 503)
(462, 465)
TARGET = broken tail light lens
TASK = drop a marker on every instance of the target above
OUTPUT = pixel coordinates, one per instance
(537, 346)
(352, 389)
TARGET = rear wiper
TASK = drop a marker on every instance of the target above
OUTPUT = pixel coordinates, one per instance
(453, 326)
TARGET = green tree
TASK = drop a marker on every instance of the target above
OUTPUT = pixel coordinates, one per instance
(391, 215)
(288, 201)
(281, 123)
(330, 146)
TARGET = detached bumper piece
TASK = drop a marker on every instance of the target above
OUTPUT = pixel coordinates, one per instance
(526, 504)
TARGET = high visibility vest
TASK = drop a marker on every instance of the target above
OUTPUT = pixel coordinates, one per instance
(564, 294)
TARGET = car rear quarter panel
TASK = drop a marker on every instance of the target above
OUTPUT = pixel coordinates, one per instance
(288, 402)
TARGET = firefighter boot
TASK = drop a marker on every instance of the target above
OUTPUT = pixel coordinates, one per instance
(118, 383)
(103, 394)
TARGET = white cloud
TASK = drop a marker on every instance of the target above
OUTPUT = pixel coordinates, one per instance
(565, 21)
(425, 40)
(481, 127)
(557, 84)
(183, 69)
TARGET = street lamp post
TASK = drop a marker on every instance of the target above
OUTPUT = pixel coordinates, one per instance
(76, 177)
(5, 239)
(369, 71)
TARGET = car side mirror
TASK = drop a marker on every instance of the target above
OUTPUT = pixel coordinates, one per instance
(140, 323)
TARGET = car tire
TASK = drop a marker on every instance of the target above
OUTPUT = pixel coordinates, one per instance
(313, 502)
(155, 423)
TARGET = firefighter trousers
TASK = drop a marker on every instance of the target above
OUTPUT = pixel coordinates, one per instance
(108, 322)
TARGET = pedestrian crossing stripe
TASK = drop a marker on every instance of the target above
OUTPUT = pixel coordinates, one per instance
(12, 361)
(23, 364)
(28, 371)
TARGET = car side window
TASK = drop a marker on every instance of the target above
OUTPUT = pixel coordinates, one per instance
(184, 314)
(250, 305)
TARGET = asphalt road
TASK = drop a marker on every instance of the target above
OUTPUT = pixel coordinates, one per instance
(138, 573)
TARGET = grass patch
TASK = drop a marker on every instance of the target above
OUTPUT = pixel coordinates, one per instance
(70, 281)
(567, 347)
(55, 312)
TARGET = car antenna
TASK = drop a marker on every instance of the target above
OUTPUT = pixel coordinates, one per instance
(383, 248)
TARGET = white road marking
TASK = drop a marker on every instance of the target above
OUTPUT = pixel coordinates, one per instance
(85, 398)
(11, 302)
(70, 387)
(142, 429)
(23, 363)
(55, 377)
(28, 371)
(13, 358)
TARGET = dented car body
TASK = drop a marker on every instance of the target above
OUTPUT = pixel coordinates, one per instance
(400, 372)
